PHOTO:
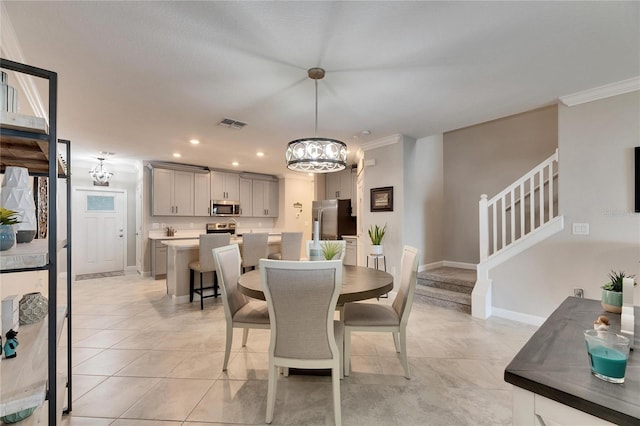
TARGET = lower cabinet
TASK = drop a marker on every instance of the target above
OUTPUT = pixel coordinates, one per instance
(158, 260)
(351, 251)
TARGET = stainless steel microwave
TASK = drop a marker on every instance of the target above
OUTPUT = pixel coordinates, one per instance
(225, 208)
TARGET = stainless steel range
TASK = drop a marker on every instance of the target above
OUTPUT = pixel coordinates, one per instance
(221, 228)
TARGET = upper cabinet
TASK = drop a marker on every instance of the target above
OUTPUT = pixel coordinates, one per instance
(342, 186)
(225, 186)
(265, 198)
(339, 185)
(246, 197)
(202, 191)
(173, 192)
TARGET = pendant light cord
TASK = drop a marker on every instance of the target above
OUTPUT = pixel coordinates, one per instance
(316, 134)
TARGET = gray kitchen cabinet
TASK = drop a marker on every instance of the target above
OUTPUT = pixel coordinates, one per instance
(351, 250)
(202, 194)
(225, 186)
(339, 185)
(172, 192)
(158, 260)
(246, 197)
(265, 198)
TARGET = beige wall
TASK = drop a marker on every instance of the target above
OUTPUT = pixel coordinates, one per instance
(596, 143)
(484, 159)
(290, 219)
(424, 198)
(387, 171)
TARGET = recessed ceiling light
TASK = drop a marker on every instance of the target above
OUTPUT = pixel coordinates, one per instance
(310, 174)
(194, 141)
(365, 132)
(177, 155)
(260, 154)
(235, 163)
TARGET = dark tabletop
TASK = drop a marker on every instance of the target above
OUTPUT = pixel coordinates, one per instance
(554, 363)
(358, 283)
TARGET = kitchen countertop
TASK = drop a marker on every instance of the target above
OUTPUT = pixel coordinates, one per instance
(554, 363)
(187, 244)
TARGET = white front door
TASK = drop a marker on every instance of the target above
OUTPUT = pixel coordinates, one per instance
(99, 227)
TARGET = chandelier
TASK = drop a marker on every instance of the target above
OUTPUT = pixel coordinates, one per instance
(100, 175)
(316, 155)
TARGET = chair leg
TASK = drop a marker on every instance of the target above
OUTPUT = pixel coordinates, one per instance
(227, 347)
(403, 352)
(395, 341)
(201, 292)
(271, 392)
(337, 411)
(347, 350)
(215, 285)
(191, 279)
(245, 336)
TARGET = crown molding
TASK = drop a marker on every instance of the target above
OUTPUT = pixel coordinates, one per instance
(606, 91)
(389, 140)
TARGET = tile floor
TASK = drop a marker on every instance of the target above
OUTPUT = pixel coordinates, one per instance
(139, 360)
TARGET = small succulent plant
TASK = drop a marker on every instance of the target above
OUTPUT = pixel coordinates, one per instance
(8, 217)
(330, 250)
(376, 233)
(616, 281)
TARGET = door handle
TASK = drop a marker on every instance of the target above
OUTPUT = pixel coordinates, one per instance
(120, 235)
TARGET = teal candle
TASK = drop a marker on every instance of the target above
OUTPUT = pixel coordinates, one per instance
(608, 362)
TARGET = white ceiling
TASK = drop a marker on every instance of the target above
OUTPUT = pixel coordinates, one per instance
(142, 78)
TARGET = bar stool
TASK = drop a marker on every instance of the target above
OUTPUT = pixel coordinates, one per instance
(290, 244)
(254, 247)
(205, 264)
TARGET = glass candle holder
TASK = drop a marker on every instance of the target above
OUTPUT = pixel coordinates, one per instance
(608, 353)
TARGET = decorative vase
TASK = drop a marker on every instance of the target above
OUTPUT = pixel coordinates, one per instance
(7, 237)
(33, 308)
(377, 249)
(16, 194)
(612, 301)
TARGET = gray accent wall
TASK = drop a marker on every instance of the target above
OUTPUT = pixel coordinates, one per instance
(484, 159)
(596, 142)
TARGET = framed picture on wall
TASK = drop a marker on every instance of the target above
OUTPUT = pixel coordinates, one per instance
(382, 199)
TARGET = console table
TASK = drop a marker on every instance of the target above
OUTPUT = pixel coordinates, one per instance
(552, 374)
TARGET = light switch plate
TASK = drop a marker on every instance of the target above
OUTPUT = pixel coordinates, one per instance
(580, 229)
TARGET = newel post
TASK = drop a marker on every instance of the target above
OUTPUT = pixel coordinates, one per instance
(484, 227)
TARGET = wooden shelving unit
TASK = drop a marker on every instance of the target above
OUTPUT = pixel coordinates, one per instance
(33, 378)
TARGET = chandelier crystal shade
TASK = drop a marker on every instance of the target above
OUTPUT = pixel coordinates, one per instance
(316, 155)
(99, 174)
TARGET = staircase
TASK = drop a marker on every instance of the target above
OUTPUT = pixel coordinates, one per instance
(447, 287)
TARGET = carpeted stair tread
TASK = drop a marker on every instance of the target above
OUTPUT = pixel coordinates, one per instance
(450, 275)
(442, 294)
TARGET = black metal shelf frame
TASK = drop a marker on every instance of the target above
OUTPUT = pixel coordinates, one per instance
(52, 234)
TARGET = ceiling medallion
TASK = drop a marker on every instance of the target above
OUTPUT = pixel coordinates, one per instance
(316, 155)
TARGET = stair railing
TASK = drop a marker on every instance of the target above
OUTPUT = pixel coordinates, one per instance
(521, 208)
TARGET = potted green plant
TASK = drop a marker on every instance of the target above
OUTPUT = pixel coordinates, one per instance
(8, 218)
(376, 234)
(330, 249)
(612, 292)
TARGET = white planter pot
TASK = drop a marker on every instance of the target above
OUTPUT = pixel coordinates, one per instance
(377, 250)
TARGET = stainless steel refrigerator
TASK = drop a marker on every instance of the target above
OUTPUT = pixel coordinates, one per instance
(334, 217)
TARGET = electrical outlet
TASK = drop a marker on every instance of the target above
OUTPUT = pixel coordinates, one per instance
(580, 229)
(578, 292)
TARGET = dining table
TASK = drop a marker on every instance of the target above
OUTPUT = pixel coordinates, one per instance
(358, 283)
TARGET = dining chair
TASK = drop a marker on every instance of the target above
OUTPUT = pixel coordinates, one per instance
(377, 317)
(341, 243)
(290, 244)
(207, 242)
(239, 311)
(254, 247)
(302, 297)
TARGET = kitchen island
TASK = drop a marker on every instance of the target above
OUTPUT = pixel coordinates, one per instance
(552, 373)
(182, 252)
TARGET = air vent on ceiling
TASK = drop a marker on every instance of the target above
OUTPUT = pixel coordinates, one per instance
(231, 123)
